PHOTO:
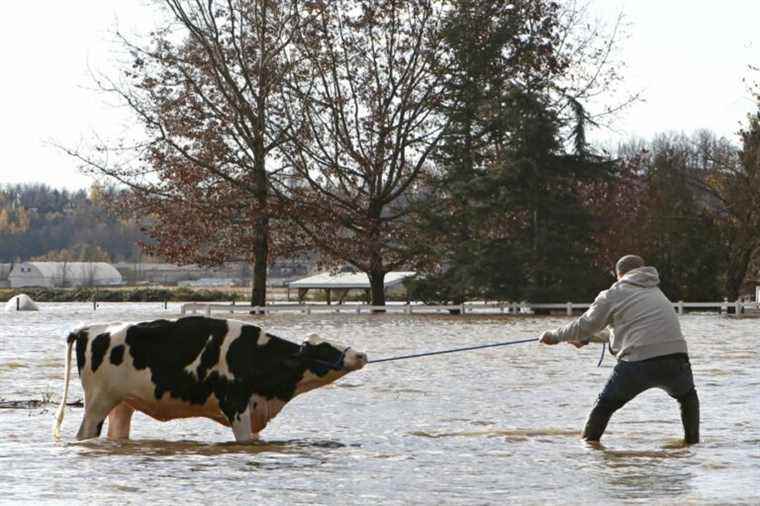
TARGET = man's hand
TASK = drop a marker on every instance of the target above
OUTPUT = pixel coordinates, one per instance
(549, 337)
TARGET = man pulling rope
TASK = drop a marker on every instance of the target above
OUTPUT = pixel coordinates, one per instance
(647, 340)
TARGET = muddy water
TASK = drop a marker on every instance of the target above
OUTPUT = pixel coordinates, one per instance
(492, 426)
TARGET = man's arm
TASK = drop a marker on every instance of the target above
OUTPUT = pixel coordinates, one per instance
(583, 328)
(603, 336)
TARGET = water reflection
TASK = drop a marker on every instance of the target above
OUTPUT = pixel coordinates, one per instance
(148, 447)
(645, 474)
(509, 435)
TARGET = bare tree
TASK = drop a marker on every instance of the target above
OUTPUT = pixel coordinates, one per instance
(731, 179)
(204, 90)
(591, 90)
(362, 105)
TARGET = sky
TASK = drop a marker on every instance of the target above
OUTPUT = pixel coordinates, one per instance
(688, 58)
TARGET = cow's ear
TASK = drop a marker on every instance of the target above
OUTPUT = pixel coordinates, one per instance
(313, 339)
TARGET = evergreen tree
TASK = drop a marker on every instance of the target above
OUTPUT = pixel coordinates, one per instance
(506, 215)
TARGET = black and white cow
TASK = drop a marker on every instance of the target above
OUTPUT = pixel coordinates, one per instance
(226, 370)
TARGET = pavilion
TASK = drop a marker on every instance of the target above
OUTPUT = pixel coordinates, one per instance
(342, 282)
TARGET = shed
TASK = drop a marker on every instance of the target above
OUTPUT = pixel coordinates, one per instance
(342, 282)
(5, 270)
(63, 274)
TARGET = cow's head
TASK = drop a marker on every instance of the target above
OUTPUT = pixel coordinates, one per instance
(325, 362)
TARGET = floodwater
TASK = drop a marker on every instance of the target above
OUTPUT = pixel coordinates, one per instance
(492, 426)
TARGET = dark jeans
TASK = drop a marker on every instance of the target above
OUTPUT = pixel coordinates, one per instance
(671, 373)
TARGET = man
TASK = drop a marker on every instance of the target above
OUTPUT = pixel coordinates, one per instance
(645, 337)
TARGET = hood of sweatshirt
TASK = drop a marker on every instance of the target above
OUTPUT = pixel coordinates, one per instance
(646, 277)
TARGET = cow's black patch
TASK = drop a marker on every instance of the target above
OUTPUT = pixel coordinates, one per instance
(117, 354)
(99, 347)
(81, 347)
(321, 358)
(167, 348)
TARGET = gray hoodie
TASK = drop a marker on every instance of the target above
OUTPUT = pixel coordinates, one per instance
(644, 323)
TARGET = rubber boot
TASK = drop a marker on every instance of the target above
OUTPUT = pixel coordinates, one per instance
(597, 420)
(690, 416)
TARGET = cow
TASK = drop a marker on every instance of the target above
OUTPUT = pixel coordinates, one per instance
(230, 371)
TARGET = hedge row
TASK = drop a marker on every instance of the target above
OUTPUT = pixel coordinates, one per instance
(121, 295)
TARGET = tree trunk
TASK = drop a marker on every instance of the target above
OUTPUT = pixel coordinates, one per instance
(738, 265)
(261, 227)
(377, 287)
(260, 258)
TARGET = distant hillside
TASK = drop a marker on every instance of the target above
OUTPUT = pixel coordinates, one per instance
(39, 222)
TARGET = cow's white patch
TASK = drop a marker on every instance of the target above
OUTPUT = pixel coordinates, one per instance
(234, 328)
(192, 369)
(264, 338)
(117, 332)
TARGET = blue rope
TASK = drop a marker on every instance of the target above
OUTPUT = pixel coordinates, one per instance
(402, 357)
(601, 358)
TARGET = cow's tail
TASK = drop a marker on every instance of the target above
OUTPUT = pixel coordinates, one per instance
(66, 375)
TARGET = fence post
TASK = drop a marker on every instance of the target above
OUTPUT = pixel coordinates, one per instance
(724, 306)
(737, 308)
(680, 307)
(569, 306)
(208, 310)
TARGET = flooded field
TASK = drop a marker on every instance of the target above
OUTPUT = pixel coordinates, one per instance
(492, 426)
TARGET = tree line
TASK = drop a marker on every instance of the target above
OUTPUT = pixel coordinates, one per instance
(446, 136)
(38, 222)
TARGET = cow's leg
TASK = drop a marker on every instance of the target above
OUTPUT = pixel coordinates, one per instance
(120, 421)
(96, 408)
(241, 426)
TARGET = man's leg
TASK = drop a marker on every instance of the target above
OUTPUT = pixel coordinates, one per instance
(690, 416)
(680, 385)
(624, 384)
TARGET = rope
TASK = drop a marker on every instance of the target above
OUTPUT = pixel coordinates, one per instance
(402, 357)
(601, 357)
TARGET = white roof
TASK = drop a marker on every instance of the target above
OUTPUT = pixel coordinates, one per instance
(348, 280)
(159, 267)
(74, 270)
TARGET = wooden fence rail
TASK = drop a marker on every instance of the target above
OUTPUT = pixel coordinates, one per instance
(567, 308)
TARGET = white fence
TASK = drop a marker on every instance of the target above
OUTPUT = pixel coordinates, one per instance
(567, 308)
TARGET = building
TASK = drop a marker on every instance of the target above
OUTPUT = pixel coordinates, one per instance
(5, 270)
(63, 274)
(342, 282)
(228, 274)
